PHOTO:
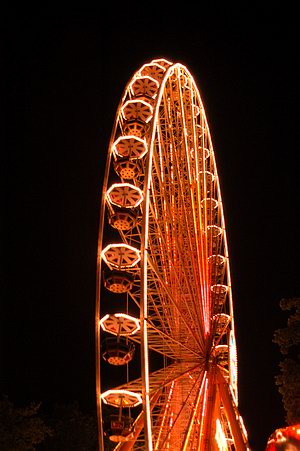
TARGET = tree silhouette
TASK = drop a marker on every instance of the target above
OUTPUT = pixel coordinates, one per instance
(288, 380)
(21, 429)
(73, 429)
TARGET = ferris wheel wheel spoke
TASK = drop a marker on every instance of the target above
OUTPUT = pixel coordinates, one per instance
(174, 311)
(178, 272)
(173, 418)
(183, 242)
(166, 345)
(164, 377)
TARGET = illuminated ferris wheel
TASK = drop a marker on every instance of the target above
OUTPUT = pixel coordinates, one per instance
(166, 359)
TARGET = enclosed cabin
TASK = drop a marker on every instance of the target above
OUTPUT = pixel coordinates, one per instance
(120, 426)
(117, 349)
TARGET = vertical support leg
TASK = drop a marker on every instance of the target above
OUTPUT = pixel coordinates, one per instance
(231, 412)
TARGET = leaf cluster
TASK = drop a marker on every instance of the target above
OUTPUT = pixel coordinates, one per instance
(289, 336)
(288, 380)
(73, 429)
(21, 428)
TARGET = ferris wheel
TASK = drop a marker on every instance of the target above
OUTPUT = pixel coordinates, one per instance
(166, 357)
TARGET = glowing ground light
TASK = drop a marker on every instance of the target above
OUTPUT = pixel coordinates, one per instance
(220, 437)
(285, 438)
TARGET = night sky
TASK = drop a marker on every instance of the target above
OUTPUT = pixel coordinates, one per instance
(64, 74)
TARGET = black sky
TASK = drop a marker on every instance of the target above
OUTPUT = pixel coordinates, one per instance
(64, 74)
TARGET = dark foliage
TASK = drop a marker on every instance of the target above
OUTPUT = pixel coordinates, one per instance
(73, 430)
(21, 428)
(288, 380)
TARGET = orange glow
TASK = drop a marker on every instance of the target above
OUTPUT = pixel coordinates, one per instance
(220, 437)
(166, 412)
(195, 413)
(288, 436)
(233, 366)
(203, 408)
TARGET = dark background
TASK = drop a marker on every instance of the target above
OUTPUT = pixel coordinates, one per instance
(64, 74)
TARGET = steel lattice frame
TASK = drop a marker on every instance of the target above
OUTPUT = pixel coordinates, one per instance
(161, 175)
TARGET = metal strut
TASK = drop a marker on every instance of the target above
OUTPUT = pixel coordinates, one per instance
(240, 442)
